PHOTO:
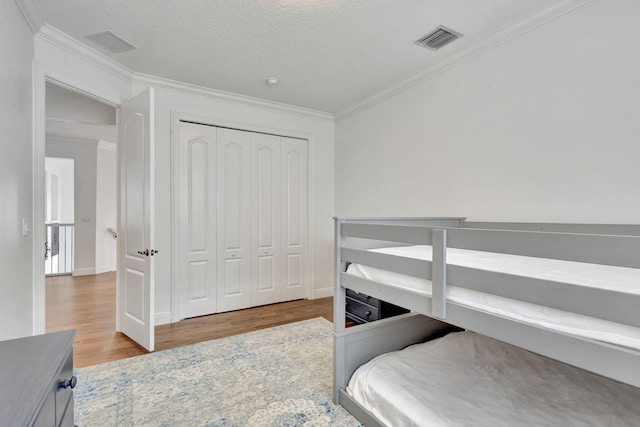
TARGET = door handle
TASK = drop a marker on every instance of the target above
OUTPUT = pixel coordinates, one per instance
(148, 252)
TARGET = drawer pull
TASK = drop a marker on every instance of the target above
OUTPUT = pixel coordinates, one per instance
(70, 383)
(368, 313)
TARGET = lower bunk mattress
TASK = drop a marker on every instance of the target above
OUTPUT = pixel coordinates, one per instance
(467, 379)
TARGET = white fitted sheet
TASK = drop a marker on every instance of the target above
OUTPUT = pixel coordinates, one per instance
(466, 379)
(620, 279)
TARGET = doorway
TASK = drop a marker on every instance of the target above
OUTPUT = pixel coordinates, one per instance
(80, 202)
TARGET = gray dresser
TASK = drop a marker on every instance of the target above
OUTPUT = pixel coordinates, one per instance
(37, 380)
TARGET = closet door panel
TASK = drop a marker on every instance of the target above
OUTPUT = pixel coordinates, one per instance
(197, 211)
(199, 196)
(265, 219)
(234, 163)
(266, 279)
(197, 282)
(233, 277)
(294, 218)
(294, 270)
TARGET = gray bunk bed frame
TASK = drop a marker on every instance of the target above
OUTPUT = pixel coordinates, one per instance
(431, 317)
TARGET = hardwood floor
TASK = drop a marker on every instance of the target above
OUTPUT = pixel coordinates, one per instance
(88, 304)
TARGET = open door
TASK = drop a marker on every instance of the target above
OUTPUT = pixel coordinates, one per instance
(135, 284)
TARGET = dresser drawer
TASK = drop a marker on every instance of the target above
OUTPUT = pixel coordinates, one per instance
(362, 297)
(47, 415)
(67, 417)
(362, 310)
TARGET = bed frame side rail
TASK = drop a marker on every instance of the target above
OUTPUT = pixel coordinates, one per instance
(610, 229)
(615, 306)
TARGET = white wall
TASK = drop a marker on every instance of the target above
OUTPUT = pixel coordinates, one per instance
(544, 127)
(84, 154)
(106, 206)
(16, 251)
(320, 132)
(63, 169)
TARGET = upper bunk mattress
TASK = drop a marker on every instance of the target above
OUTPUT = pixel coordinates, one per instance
(612, 278)
(466, 379)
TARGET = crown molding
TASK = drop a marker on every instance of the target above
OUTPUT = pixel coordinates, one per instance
(64, 41)
(191, 89)
(30, 15)
(496, 38)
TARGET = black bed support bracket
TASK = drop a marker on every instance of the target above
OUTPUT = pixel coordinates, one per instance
(439, 275)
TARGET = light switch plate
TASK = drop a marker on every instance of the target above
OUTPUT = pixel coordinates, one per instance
(25, 227)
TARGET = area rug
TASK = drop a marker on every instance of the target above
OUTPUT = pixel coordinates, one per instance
(280, 376)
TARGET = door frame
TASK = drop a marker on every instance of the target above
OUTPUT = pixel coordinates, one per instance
(42, 75)
(176, 118)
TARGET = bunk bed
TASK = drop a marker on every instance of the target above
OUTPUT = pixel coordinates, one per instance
(568, 292)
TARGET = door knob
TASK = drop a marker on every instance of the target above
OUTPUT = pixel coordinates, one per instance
(70, 383)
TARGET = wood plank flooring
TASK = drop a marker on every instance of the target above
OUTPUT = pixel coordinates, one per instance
(88, 304)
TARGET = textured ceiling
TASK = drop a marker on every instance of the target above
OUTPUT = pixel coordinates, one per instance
(327, 54)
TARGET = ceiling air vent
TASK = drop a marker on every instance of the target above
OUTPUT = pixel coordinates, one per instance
(438, 38)
(111, 42)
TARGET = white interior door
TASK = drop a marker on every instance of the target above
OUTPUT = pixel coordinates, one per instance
(197, 219)
(265, 219)
(294, 218)
(234, 231)
(135, 286)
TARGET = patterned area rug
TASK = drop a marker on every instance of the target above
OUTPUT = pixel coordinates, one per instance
(275, 377)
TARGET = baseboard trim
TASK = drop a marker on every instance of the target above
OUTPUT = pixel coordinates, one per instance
(323, 293)
(84, 271)
(162, 318)
(105, 269)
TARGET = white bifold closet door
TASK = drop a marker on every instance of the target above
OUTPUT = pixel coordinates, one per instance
(234, 232)
(242, 208)
(294, 217)
(196, 198)
(265, 219)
